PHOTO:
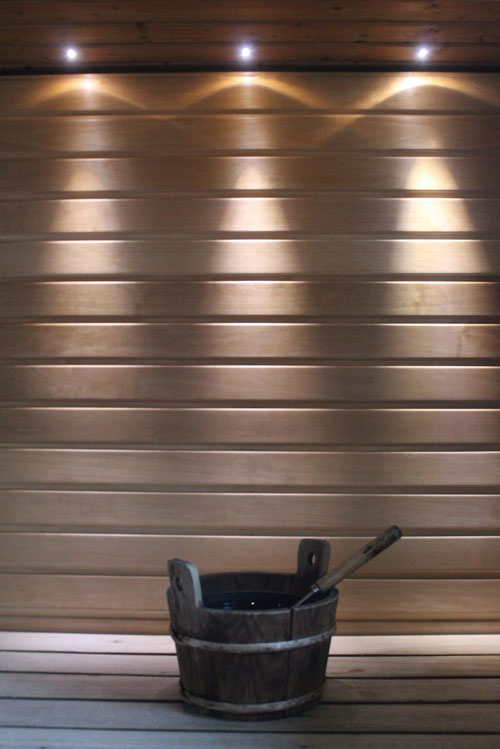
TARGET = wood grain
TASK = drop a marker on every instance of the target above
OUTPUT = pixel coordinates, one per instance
(250, 258)
(103, 554)
(166, 688)
(265, 32)
(276, 514)
(258, 91)
(81, 218)
(403, 645)
(212, 299)
(148, 36)
(269, 385)
(162, 469)
(132, 597)
(351, 719)
(159, 626)
(36, 11)
(161, 134)
(259, 342)
(179, 56)
(343, 667)
(262, 426)
(454, 175)
(60, 737)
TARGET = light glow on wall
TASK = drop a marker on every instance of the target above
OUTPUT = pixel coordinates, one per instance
(252, 213)
(433, 214)
(430, 173)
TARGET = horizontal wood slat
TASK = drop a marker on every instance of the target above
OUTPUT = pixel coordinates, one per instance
(276, 514)
(137, 626)
(34, 136)
(79, 554)
(257, 341)
(219, 426)
(28, 12)
(141, 597)
(249, 215)
(162, 469)
(62, 737)
(277, 53)
(268, 384)
(358, 719)
(166, 688)
(243, 91)
(379, 645)
(225, 54)
(261, 33)
(254, 299)
(339, 666)
(250, 258)
(240, 174)
(409, 719)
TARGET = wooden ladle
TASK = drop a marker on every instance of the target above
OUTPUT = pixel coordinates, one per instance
(361, 557)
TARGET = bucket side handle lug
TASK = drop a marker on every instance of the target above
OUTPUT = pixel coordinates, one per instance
(184, 595)
(313, 557)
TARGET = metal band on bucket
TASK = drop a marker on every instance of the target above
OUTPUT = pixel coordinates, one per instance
(252, 647)
(259, 707)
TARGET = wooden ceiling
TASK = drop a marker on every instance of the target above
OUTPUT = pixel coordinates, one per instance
(177, 34)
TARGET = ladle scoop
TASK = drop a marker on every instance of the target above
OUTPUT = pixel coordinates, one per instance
(378, 544)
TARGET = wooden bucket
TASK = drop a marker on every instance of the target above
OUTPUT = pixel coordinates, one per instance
(248, 663)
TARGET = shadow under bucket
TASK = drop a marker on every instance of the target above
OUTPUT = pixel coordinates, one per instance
(243, 651)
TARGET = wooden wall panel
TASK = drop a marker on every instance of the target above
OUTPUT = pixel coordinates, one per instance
(240, 310)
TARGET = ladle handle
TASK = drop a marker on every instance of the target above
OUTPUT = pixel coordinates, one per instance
(378, 544)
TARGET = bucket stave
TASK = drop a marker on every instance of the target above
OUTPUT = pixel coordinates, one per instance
(252, 663)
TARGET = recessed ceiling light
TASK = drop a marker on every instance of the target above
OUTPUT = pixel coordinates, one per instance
(245, 53)
(71, 54)
(422, 53)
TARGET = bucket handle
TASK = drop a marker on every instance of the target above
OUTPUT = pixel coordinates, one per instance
(184, 594)
(313, 557)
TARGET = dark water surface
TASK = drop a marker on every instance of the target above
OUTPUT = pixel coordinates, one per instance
(250, 601)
